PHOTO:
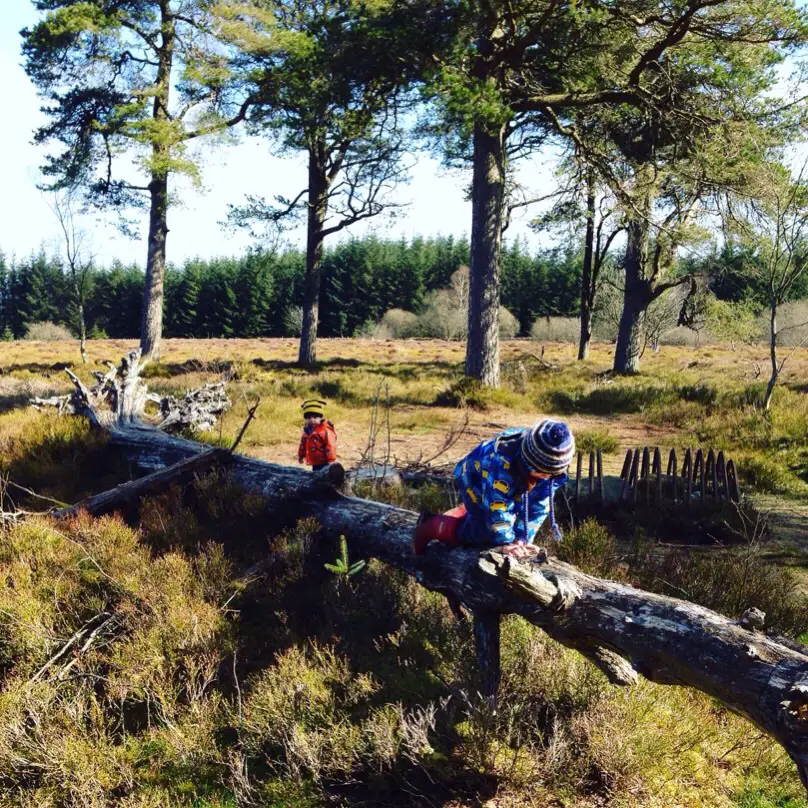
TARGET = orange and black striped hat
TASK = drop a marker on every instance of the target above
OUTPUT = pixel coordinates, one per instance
(313, 406)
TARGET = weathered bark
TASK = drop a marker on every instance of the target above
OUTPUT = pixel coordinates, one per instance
(317, 209)
(775, 368)
(181, 472)
(488, 188)
(197, 409)
(119, 396)
(151, 329)
(132, 491)
(97, 403)
(587, 276)
(624, 631)
(636, 297)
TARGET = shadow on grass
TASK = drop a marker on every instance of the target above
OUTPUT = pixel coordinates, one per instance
(614, 399)
(15, 401)
(39, 368)
(66, 465)
(170, 370)
(392, 368)
(417, 785)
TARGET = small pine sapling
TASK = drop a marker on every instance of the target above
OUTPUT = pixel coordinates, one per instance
(342, 565)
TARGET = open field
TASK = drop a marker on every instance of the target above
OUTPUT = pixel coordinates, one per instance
(683, 395)
(302, 690)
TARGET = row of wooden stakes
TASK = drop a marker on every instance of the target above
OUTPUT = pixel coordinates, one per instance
(703, 478)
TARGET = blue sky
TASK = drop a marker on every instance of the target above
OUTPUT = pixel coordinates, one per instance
(230, 172)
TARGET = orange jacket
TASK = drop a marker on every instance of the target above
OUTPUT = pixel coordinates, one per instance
(318, 444)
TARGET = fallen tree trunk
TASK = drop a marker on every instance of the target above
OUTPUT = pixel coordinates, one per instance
(626, 632)
(331, 478)
(131, 492)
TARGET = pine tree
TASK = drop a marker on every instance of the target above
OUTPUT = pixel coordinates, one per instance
(142, 77)
(182, 293)
(36, 294)
(217, 310)
(253, 291)
(332, 85)
(5, 296)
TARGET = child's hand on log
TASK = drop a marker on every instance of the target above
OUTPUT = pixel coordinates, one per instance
(518, 550)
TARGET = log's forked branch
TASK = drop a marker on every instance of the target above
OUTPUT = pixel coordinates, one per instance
(154, 483)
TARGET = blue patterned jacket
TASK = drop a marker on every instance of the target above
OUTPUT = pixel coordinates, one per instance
(493, 487)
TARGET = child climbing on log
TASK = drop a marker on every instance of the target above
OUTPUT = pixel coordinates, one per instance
(506, 486)
(318, 444)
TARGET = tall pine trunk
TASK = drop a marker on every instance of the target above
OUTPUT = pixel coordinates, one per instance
(588, 275)
(636, 298)
(317, 209)
(488, 188)
(151, 329)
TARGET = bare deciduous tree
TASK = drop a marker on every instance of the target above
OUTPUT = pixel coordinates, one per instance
(776, 228)
(78, 258)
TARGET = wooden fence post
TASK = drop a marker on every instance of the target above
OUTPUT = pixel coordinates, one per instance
(687, 475)
(672, 467)
(600, 476)
(625, 474)
(646, 473)
(732, 478)
(656, 467)
(698, 473)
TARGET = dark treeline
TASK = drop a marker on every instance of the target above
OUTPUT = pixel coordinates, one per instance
(259, 294)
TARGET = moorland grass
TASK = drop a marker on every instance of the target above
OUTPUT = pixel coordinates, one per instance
(297, 687)
(707, 395)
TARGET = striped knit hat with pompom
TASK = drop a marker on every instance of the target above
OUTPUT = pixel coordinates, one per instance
(548, 447)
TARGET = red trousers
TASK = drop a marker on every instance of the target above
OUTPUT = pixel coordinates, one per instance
(442, 527)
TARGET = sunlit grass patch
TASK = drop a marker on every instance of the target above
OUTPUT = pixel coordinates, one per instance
(592, 440)
(157, 641)
(465, 392)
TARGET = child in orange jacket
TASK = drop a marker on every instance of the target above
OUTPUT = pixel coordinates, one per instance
(318, 444)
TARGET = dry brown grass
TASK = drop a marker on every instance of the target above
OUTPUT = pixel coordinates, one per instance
(415, 371)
